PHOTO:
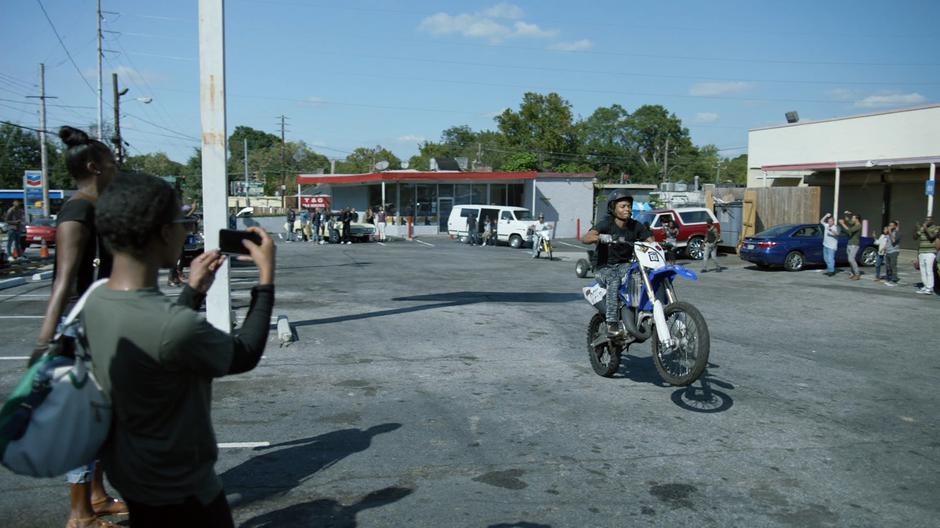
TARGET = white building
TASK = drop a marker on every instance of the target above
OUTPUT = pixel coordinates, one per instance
(566, 199)
(875, 164)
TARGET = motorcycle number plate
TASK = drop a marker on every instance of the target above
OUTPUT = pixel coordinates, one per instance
(595, 293)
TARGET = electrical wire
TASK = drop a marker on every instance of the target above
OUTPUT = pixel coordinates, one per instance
(64, 47)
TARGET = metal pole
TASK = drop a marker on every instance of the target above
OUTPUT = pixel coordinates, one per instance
(42, 140)
(533, 197)
(245, 143)
(100, 92)
(933, 178)
(835, 201)
(383, 195)
(118, 142)
(212, 113)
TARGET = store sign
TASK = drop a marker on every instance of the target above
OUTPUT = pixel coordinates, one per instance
(32, 193)
(311, 202)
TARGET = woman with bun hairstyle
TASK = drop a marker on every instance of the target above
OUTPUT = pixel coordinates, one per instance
(79, 254)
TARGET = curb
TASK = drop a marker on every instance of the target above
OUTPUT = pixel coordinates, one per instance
(12, 283)
(42, 276)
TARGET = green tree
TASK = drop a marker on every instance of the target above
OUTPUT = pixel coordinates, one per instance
(735, 170)
(192, 177)
(521, 162)
(543, 125)
(605, 142)
(652, 128)
(157, 164)
(363, 160)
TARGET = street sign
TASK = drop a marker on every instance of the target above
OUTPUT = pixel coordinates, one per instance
(32, 193)
(931, 184)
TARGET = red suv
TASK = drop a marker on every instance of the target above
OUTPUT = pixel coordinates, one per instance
(692, 223)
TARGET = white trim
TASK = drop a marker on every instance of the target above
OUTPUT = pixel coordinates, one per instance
(858, 116)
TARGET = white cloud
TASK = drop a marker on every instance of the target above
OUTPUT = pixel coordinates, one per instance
(877, 101)
(487, 25)
(720, 88)
(504, 10)
(578, 45)
(706, 117)
(841, 94)
(312, 101)
(411, 138)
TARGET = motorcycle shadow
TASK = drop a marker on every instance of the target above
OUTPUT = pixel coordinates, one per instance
(640, 369)
(702, 396)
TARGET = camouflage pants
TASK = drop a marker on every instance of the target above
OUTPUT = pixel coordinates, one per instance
(611, 277)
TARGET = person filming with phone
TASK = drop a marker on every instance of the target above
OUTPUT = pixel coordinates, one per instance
(156, 358)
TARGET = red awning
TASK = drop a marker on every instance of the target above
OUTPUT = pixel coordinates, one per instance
(457, 177)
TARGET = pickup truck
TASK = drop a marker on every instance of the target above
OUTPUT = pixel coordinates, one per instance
(692, 227)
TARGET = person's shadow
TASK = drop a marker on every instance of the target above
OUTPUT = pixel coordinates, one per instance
(280, 470)
(326, 513)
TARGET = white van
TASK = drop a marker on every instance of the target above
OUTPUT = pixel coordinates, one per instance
(512, 222)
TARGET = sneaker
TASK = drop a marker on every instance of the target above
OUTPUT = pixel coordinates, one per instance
(615, 330)
(704, 271)
(889, 283)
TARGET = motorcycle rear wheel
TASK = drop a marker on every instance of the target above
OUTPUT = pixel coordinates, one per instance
(683, 363)
(605, 358)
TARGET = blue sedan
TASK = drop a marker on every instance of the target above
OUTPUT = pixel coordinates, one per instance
(795, 246)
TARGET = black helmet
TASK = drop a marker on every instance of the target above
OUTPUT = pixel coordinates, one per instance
(615, 196)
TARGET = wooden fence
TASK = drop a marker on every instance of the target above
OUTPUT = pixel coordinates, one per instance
(767, 207)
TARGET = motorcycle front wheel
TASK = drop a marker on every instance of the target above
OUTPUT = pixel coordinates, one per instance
(605, 358)
(682, 363)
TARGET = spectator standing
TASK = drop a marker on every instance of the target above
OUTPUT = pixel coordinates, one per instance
(711, 246)
(232, 219)
(347, 217)
(289, 226)
(882, 244)
(15, 219)
(381, 223)
(156, 359)
(494, 226)
(304, 223)
(853, 228)
(926, 235)
(672, 235)
(830, 243)
(92, 165)
(472, 229)
(315, 223)
(892, 250)
(487, 230)
(370, 216)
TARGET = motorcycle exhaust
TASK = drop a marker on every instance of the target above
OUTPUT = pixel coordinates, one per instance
(628, 316)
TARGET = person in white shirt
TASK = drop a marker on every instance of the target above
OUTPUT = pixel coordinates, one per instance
(537, 229)
(830, 243)
(882, 243)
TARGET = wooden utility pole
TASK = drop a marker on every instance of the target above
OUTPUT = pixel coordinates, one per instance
(283, 164)
(100, 90)
(118, 141)
(43, 153)
(666, 161)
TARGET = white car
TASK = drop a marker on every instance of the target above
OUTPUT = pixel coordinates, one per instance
(512, 222)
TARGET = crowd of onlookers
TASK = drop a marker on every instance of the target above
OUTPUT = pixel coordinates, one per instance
(322, 226)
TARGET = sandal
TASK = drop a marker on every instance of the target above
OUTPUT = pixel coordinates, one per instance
(109, 506)
(89, 522)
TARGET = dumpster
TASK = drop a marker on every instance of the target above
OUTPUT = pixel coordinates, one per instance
(730, 216)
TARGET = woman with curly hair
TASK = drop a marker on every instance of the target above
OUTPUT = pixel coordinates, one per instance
(78, 256)
(157, 359)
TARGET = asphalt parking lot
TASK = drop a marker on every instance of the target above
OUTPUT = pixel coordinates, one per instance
(437, 384)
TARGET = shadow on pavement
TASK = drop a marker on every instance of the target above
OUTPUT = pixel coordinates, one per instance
(702, 397)
(521, 524)
(446, 300)
(326, 512)
(284, 466)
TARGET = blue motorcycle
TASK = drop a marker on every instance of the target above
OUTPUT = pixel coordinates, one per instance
(650, 309)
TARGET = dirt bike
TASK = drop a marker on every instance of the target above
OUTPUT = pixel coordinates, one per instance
(544, 239)
(650, 310)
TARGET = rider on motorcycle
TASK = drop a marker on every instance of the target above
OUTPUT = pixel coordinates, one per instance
(537, 229)
(613, 260)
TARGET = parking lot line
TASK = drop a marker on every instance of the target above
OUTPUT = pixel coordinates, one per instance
(242, 445)
(13, 358)
(425, 243)
(381, 244)
(22, 316)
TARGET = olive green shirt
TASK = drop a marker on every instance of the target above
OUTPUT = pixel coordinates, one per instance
(925, 238)
(854, 230)
(157, 359)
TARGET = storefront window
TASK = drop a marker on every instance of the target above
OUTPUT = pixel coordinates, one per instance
(407, 199)
(446, 190)
(498, 194)
(479, 193)
(514, 194)
(427, 204)
(462, 194)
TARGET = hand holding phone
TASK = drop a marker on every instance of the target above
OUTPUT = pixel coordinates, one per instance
(252, 245)
(230, 241)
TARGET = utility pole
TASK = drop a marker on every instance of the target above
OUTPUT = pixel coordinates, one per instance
(283, 167)
(717, 172)
(247, 200)
(43, 153)
(100, 92)
(666, 161)
(117, 139)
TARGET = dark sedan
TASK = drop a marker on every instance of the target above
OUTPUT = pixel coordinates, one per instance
(795, 246)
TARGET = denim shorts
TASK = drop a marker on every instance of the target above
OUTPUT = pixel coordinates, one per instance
(81, 475)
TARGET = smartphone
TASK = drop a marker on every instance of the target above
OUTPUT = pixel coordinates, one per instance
(230, 241)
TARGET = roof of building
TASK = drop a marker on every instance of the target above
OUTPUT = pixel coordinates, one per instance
(859, 116)
(438, 176)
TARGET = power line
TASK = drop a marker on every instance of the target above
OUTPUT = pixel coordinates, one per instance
(64, 47)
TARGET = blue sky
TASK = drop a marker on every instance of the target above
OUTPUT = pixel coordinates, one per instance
(365, 72)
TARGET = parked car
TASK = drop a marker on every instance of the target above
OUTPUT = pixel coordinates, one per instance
(39, 230)
(358, 231)
(795, 246)
(511, 227)
(692, 223)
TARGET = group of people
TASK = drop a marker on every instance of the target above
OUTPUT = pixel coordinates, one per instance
(321, 225)
(888, 243)
(488, 228)
(153, 357)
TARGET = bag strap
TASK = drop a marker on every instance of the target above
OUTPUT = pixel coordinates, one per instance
(77, 309)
